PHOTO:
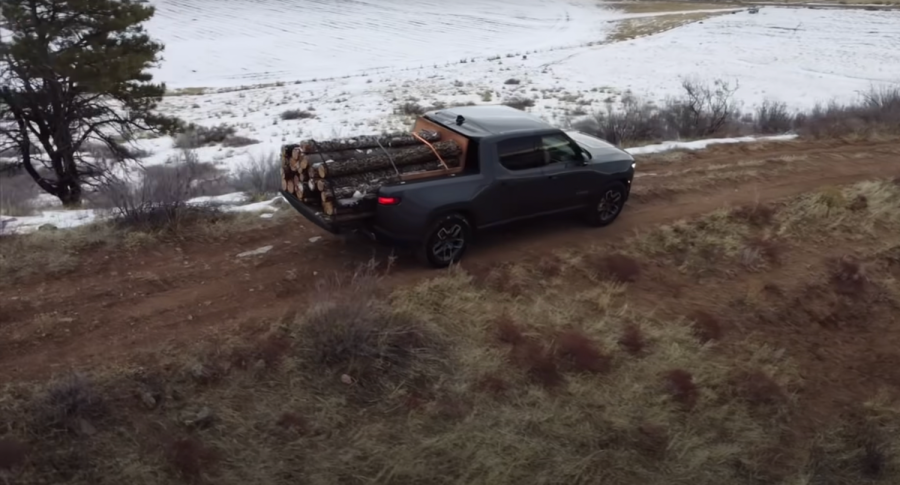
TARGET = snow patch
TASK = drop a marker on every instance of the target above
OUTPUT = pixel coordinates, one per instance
(701, 144)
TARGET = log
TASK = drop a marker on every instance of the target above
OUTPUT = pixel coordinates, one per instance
(449, 151)
(346, 192)
(290, 186)
(381, 177)
(370, 141)
(283, 184)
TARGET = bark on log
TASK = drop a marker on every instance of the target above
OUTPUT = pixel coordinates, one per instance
(449, 151)
(380, 177)
(371, 141)
(337, 193)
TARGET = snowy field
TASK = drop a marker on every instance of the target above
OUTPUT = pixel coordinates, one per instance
(349, 65)
(799, 56)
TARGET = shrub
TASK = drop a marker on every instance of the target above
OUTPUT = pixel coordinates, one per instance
(296, 114)
(17, 192)
(772, 117)
(238, 141)
(196, 136)
(703, 110)
(877, 108)
(519, 103)
(258, 176)
(158, 201)
(637, 121)
(410, 108)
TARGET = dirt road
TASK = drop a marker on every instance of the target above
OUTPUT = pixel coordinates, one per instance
(131, 305)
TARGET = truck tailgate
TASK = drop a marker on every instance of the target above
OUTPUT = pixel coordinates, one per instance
(318, 218)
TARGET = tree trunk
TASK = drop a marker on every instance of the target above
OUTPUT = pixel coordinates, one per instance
(371, 141)
(449, 151)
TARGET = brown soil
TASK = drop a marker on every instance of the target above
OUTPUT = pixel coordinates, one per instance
(118, 308)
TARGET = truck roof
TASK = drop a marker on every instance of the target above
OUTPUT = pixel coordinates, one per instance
(487, 120)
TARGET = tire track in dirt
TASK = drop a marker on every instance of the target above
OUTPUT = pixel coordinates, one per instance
(178, 296)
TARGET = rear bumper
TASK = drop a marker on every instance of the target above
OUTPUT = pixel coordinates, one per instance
(366, 227)
(310, 213)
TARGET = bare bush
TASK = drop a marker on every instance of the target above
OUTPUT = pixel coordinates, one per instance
(878, 108)
(703, 110)
(519, 103)
(238, 141)
(259, 176)
(637, 121)
(410, 108)
(196, 136)
(772, 117)
(296, 114)
(68, 405)
(159, 200)
(17, 192)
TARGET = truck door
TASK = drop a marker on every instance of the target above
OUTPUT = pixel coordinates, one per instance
(517, 190)
(569, 184)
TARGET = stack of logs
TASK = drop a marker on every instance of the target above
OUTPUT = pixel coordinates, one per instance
(342, 176)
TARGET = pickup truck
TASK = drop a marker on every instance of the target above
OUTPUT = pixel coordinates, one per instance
(515, 166)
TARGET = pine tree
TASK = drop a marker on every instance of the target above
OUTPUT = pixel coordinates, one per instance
(73, 74)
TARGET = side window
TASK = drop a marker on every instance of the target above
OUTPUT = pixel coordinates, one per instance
(558, 149)
(520, 153)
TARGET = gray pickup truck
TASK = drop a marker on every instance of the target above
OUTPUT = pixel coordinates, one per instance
(516, 167)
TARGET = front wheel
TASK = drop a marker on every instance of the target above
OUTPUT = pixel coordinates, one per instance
(607, 206)
(446, 241)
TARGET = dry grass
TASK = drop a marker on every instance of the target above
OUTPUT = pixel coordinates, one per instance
(533, 374)
(640, 27)
(653, 7)
(57, 252)
(752, 235)
(560, 393)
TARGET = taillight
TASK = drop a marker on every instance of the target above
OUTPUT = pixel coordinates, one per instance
(388, 200)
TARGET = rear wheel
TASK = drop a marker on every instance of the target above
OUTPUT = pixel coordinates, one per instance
(607, 206)
(446, 241)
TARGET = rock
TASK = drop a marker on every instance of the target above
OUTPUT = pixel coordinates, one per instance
(315, 239)
(147, 399)
(256, 252)
(47, 227)
(203, 418)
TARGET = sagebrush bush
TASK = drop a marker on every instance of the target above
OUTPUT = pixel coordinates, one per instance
(296, 114)
(519, 103)
(258, 175)
(196, 136)
(159, 199)
(17, 194)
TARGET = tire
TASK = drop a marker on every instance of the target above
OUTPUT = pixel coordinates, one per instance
(608, 205)
(446, 241)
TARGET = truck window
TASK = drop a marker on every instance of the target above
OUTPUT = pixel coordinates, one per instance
(520, 153)
(558, 148)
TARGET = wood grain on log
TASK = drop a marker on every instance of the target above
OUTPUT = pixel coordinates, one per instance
(370, 141)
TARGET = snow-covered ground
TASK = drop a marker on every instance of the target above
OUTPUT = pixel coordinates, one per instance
(796, 55)
(351, 64)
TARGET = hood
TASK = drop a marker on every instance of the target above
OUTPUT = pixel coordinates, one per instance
(600, 150)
